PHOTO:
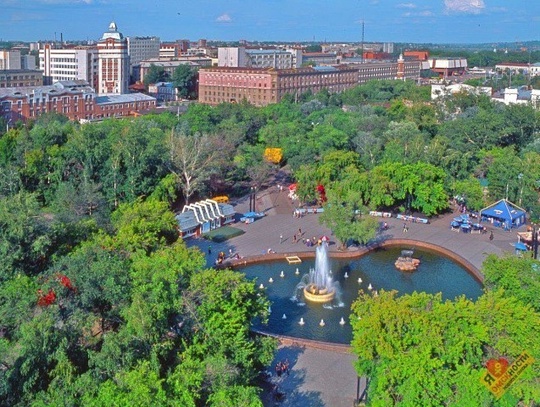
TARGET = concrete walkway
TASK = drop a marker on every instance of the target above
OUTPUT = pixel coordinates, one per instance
(324, 377)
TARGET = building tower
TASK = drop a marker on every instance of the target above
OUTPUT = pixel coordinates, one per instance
(113, 62)
(400, 68)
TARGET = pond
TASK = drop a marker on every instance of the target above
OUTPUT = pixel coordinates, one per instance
(435, 274)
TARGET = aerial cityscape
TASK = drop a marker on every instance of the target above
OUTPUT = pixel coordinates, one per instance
(269, 203)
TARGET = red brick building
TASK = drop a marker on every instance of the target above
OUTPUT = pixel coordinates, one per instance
(74, 99)
(261, 87)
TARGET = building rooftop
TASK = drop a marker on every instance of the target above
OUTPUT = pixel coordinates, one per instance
(52, 90)
(112, 33)
(127, 98)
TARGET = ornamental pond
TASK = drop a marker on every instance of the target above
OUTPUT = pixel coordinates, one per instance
(292, 316)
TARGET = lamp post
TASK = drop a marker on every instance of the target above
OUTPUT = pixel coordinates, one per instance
(252, 193)
(535, 241)
(520, 178)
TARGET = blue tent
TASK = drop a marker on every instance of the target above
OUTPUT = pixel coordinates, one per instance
(504, 213)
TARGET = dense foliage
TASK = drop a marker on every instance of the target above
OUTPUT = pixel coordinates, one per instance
(419, 350)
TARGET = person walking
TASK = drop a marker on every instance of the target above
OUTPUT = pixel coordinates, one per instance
(491, 235)
(405, 228)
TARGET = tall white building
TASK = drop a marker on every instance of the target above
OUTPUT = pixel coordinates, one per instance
(113, 62)
(79, 63)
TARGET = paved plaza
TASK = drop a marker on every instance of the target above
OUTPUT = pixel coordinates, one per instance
(324, 377)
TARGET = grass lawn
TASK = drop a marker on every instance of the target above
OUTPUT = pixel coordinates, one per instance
(224, 233)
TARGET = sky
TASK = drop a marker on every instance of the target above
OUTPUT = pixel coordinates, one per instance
(414, 21)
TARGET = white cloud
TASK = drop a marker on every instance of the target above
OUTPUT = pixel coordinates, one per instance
(224, 18)
(464, 6)
(425, 13)
(406, 5)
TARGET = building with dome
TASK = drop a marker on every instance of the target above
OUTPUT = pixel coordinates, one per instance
(113, 62)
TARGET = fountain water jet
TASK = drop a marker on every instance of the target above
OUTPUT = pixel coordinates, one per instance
(318, 285)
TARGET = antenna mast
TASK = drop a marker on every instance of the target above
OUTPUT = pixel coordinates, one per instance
(362, 45)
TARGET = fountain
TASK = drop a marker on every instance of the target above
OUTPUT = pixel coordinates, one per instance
(270, 280)
(282, 274)
(342, 321)
(261, 286)
(346, 275)
(297, 271)
(322, 323)
(318, 285)
(286, 295)
(359, 280)
(284, 316)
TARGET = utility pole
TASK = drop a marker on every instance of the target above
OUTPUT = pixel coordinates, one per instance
(362, 44)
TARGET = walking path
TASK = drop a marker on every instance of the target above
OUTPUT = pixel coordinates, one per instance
(324, 377)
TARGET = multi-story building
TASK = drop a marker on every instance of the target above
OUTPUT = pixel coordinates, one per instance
(240, 57)
(70, 64)
(388, 70)
(519, 67)
(319, 58)
(261, 87)
(163, 91)
(113, 62)
(171, 50)
(142, 48)
(10, 59)
(28, 62)
(74, 99)
(448, 66)
(17, 78)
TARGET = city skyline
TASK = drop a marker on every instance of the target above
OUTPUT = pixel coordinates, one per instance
(456, 21)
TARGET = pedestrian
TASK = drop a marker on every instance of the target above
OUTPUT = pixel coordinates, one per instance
(230, 252)
(405, 227)
(491, 235)
(280, 239)
(300, 231)
(294, 239)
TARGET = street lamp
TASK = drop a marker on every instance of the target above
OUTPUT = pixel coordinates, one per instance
(252, 199)
(535, 241)
(520, 178)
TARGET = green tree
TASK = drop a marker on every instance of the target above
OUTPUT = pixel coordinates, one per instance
(27, 237)
(418, 350)
(347, 222)
(519, 277)
(472, 191)
(155, 74)
(184, 78)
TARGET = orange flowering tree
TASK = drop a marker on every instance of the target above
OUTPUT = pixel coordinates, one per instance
(273, 155)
